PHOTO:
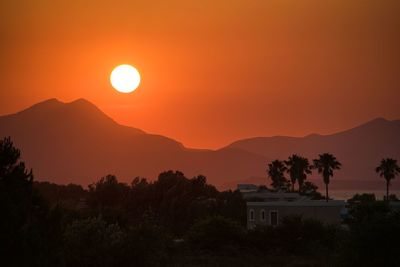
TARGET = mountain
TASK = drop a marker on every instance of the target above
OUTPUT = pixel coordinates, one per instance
(359, 150)
(76, 142)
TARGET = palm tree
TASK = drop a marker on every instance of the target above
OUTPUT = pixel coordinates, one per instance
(326, 164)
(298, 167)
(388, 169)
(275, 171)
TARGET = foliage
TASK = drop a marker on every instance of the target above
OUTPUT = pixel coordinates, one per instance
(176, 221)
(326, 164)
(69, 196)
(107, 198)
(178, 201)
(107, 192)
(145, 245)
(298, 167)
(19, 205)
(297, 241)
(215, 233)
(15, 189)
(230, 204)
(91, 242)
(388, 169)
(373, 241)
(276, 171)
(364, 208)
(311, 190)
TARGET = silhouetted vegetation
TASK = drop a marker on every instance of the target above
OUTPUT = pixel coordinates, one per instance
(298, 168)
(174, 221)
(388, 169)
(325, 165)
(374, 231)
(276, 171)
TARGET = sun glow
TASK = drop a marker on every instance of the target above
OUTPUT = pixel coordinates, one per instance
(125, 78)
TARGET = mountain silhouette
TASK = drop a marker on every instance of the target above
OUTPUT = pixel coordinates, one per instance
(359, 149)
(77, 143)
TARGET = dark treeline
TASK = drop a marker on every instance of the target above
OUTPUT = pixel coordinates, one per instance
(173, 221)
(172, 201)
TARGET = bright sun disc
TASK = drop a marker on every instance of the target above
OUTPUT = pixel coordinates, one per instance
(125, 78)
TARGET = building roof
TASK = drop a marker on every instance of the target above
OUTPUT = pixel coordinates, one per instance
(267, 195)
(244, 188)
(305, 203)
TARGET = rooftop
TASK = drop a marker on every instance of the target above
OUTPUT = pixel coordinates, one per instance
(305, 203)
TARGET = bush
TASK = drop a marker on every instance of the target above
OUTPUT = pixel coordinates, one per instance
(216, 233)
(374, 242)
(145, 245)
(91, 242)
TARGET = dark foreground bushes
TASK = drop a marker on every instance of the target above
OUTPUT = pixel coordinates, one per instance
(173, 221)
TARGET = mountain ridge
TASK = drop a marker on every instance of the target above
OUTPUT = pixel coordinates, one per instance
(360, 149)
(77, 142)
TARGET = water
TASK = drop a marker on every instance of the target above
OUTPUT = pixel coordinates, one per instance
(346, 194)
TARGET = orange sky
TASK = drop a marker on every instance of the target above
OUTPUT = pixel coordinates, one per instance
(213, 71)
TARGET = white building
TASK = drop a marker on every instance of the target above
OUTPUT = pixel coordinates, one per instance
(268, 208)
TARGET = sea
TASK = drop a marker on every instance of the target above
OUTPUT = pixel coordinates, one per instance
(346, 194)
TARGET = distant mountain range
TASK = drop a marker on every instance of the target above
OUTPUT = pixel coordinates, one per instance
(77, 143)
(359, 149)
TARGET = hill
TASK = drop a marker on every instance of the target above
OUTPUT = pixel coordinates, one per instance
(77, 143)
(359, 149)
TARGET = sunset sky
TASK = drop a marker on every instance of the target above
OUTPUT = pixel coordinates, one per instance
(213, 71)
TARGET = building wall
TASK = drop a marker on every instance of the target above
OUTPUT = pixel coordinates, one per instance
(326, 214)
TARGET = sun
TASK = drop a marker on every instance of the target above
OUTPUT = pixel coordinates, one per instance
(125, 78)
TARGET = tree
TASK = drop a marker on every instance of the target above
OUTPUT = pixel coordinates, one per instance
(311, 190)
(365, 207)
(373, 240)
(215, 233)
(107, 192)
(23, 238)
(275, 171)
(15, 194)
(326, 164)
(298, 167)
(93, 242)
(388, 169)
(108, 198)
(146, 245)
(179, 201)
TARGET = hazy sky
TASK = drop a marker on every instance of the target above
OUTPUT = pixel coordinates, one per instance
(212, 70)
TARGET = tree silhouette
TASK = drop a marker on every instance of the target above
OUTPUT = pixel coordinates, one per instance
(108, 198)
(298, 167)
(311, 190)
(326, 164)
(15, 198)
(107, 192)
(93, 242)
(275, 171)
(388, 169)
(215, 233)
(15, 180)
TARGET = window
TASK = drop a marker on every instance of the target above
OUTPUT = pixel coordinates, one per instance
(251, 215)
(273, 215)
(262, 215)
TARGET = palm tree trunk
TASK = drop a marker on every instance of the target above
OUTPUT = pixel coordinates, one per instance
(326, 189)
(387, 190)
